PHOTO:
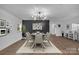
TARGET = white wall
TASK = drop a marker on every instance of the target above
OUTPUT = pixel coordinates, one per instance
(14, 35)
(54, 29)
(58, 31)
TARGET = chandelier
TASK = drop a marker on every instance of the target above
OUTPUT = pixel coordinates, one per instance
(39, 14)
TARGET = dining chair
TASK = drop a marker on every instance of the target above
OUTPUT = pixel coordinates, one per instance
(38, 40)
(47, 37)
(28, 38)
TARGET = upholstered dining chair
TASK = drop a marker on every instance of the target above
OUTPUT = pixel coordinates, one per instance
(38, 40)
(28, 38)
(47, 37)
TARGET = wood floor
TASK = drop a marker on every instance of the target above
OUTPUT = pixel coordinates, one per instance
(11, 50)
(67, 46)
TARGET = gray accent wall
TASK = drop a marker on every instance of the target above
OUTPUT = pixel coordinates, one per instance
(42, 25)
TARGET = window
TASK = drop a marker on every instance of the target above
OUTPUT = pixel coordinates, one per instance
(75, 26)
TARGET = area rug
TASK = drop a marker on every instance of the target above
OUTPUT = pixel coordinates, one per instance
(49, 49)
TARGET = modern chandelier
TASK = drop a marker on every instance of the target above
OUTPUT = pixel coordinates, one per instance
(39, 14)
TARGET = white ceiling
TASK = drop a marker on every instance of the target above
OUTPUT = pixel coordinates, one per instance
(57, 12)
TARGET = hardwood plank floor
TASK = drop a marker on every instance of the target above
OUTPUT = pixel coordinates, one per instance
(11, 50)
(67, 46)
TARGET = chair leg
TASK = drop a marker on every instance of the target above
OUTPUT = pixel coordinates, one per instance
(43, 45)
(49, 42)
(33, 45)
(26, 43)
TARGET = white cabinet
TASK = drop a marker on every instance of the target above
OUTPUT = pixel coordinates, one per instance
(75, 36)
(70, 35)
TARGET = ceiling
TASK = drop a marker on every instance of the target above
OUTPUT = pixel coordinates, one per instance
(57, 12)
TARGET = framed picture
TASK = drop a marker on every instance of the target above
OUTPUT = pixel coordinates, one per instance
(2, 23)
